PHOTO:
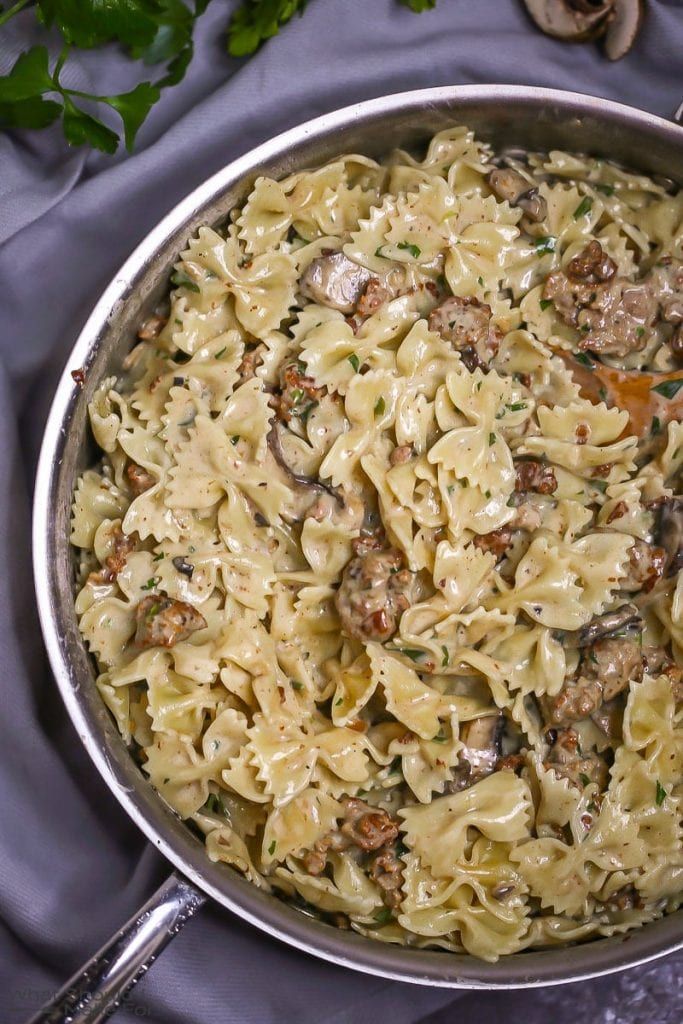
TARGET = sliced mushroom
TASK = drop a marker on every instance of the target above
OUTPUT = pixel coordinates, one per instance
(624, 619)
(334, 280)
(670, 533)
(574, 22)
(479, 756)
(623, 26)
(567, 760)
(275, 446)
(511, 185)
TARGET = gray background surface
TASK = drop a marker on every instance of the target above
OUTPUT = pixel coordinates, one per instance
(72, 867)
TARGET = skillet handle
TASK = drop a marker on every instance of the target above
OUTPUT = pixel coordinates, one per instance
(94, 992)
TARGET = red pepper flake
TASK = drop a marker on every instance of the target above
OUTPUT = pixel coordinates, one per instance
(79, 377)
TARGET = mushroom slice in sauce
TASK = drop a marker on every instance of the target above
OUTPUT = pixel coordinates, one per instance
(670, 533)
(511, 185)
(334, 280)
(624, 619)
(308, 488)
(482, 739)
(569, 761)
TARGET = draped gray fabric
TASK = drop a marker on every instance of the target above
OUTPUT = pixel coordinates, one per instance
(72, 867)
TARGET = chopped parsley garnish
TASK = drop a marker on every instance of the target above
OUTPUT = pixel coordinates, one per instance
(585, 781)
(214, 804)
(440, 737)
(355, 362)
(234, 439)
(544, 303)
(583, 208)
(410, 652)
(640, 332)
(380, 406)
(545, 244)
(516, 406)
(603, 394)
(157, 558)
(660, 794)
(487, 494)
(492, 439)
(656, 425)
(151, 583)
(600, 484)
(271, 848)
(585, 360)
(296, 685)
(297, 394)
(221, 353)
(181, 280)
(444, 660)
(480, 282)
(338, 702)
(668, 388)
(383, 916)
(410, 247)
(607, 190)
(378, 252)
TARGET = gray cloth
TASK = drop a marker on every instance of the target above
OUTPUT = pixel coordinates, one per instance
(72, 867)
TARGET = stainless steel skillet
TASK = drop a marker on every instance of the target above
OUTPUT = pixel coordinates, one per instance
(504, 115)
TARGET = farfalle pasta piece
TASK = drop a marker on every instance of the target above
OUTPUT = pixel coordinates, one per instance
(263, 288)
(498, 807)
(407, 698)
(298, 825)
(651, 726)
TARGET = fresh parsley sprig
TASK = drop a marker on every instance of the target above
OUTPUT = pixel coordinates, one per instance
(32, 94)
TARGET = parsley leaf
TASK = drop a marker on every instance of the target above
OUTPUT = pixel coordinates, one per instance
(29, 77)
(414, 250)
(80, 127)
(660, 794)
(546, 244)
(668, 388)
(583, 208)
(418, 5)
(133, 107)
(181, 280)
(31, 113)
(257, 20)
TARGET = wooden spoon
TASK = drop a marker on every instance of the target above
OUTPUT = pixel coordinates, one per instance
(646, 397)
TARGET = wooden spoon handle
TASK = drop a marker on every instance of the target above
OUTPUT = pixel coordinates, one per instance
(632, 390)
